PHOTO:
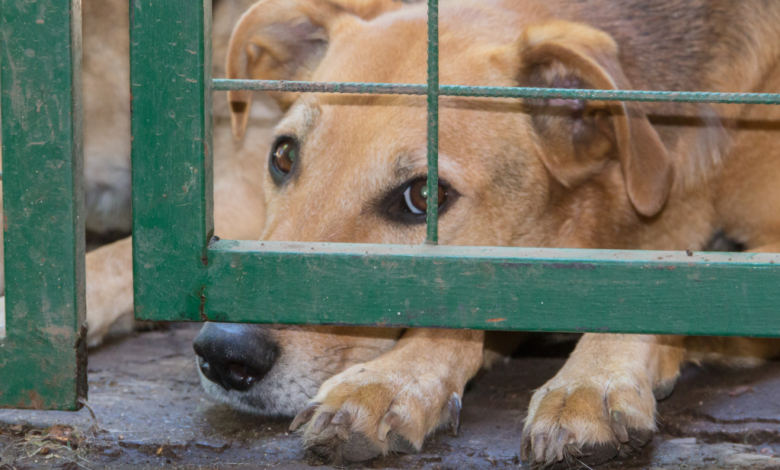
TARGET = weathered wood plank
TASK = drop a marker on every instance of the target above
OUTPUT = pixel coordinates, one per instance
(170, 63)
(43, 356)
(491, 288)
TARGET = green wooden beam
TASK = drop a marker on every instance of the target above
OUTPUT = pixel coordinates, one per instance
(43, 355)
(526, 289)
(170, 64)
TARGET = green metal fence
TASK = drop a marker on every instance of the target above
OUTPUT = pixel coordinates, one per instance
(191, 278)
(182, 273)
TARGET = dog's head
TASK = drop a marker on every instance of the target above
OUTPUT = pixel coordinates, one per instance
(348, 168)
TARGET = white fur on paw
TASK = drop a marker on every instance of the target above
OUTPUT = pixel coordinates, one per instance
(363, 413)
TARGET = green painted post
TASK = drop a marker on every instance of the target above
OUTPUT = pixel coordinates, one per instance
(170, 64)
(43, 355)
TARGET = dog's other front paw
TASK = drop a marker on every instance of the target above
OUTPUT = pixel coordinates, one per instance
(367, 410)
(578, 420)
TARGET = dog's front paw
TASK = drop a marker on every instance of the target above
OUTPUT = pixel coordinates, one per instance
(366, 411)
(587, 420)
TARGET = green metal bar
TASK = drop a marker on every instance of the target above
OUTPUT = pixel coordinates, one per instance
(432, 213)
(499, 92)
(526, 289)
(170, 63)
(224, 84)
(43, 356)
(384, 285)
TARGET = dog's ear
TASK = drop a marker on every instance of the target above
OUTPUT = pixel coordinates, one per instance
(285, 40)
(579, 136)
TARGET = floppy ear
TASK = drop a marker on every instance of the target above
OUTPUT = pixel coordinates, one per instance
(578, 137)
(285, 40)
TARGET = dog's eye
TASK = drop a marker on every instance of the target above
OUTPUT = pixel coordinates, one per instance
(284, 152)
(407, 203)
(416, 196)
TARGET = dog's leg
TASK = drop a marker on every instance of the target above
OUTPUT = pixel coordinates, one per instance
(735, 351)
(770, 248)
(602, 402)
(109, 287)
(391, 403)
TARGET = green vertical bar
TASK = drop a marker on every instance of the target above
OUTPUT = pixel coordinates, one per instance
(170, 65)
(43, 356)
(433, 123)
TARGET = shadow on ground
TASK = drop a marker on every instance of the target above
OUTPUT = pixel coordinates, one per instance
(151, 413)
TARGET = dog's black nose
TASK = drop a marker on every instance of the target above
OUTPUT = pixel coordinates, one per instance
(234, 356)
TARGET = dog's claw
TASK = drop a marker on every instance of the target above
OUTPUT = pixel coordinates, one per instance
(304, 416)
(390, 421)
(322, 422)
(539, 447)
(342, 418)
(619, 426)
(454, 406)
(565, 438)
(525, 447)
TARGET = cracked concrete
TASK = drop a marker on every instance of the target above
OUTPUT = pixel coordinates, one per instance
(151, 414)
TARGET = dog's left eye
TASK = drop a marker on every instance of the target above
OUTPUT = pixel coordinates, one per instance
(410, 202)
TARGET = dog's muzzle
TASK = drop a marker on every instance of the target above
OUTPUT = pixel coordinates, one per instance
(234, 356)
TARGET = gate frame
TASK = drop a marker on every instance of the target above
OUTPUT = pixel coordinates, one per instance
(182, 273)
(43, 356)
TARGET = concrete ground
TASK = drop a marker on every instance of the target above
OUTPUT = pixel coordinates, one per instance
(150, 413)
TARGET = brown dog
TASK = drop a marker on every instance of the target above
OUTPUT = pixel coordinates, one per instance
(537, 173)
(541, 173)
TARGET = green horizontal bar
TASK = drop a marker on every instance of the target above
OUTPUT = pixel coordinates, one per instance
(526, 289)
(498, 92)
(223, 84)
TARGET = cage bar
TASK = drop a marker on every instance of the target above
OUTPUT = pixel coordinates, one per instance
(432, 184)
(500, 92)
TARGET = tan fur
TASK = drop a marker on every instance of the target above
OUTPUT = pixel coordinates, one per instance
(639, 176)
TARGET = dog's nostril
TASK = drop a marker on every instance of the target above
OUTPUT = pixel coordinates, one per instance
(243, 372)
(240, 377)
(239, 370)
(208, 372)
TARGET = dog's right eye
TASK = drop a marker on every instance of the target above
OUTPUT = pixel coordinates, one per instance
(408, 203)
(284, 154)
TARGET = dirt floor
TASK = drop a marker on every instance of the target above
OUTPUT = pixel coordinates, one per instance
(151, 413)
